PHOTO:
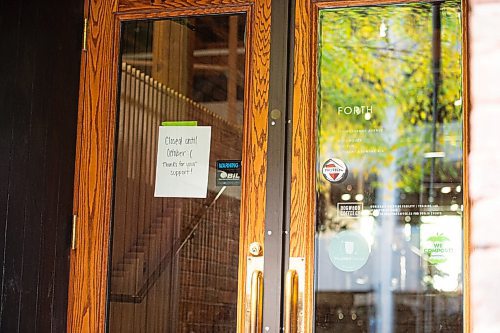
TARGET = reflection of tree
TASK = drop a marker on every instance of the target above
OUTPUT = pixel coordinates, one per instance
(381, 56)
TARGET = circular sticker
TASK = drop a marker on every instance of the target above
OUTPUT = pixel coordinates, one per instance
(348, 251)
(334, 170)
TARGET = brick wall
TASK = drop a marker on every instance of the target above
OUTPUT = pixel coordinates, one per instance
(208, 284)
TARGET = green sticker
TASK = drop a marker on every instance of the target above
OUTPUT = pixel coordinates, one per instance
(348, 251)
(437, 249)
(180, 123)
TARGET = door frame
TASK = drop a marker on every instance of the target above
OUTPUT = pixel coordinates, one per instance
(96, 145)
(304, 138)
(89, 261)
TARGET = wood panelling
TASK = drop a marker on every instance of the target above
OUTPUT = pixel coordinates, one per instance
(39, 63)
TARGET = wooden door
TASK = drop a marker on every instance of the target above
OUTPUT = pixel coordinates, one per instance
(379, 205)
(142, 64)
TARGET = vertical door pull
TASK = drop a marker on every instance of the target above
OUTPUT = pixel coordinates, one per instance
(291, 301)
(256, 302)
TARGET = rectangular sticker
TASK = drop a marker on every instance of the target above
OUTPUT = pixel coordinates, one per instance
(228, 173)
(349, 209)
(182, 162)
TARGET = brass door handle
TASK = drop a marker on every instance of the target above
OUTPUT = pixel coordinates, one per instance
(291, 301)
(256, 302)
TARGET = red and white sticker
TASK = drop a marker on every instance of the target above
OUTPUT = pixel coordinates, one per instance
(334, 170)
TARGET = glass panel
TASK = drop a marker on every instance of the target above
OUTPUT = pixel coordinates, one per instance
(174, 261)
(390, 203)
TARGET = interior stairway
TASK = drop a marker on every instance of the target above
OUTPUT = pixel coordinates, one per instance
(145, 257)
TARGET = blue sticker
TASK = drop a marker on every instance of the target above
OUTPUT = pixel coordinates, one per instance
(348, 251)
(228, 173)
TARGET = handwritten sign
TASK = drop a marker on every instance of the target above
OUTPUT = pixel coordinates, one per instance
(182, 162)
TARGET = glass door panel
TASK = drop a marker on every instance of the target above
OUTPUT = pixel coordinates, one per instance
(389, 182)
(174, 257)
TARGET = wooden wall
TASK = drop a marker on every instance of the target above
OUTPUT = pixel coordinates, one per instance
(40, 43)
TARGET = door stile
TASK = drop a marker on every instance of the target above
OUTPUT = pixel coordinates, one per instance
(89, 261)
(254, 150)
(303, 200)
(278, 127)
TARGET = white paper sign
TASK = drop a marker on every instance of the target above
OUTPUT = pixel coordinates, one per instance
(182, 162)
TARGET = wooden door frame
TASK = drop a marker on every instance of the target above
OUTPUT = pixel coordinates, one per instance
(304, 138)
(88, 284)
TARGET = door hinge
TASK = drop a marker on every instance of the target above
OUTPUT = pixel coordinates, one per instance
(73, 233)
(85, 29)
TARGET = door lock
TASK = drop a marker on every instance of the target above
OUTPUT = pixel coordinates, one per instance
(275, 114)
(255, 249)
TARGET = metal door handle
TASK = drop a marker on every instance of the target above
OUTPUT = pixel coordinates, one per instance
(256, 302)
(291, 301)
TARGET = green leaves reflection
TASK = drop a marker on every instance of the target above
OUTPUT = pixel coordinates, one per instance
(382, 57)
